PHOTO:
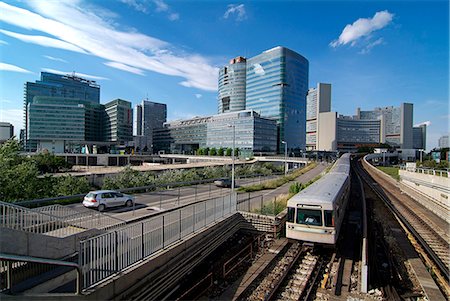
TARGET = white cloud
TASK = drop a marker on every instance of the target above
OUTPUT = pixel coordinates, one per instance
(174, 16)
(362, 27)
(427, 123)
(86, 29)
(3, 42)
(136, 5)
(369, 46)
(124, 67)
(198, 96)
(43, 41)
(13, 116)
(94, 77)
(161, 5)
(238, 10)
(54, 58)
(13, 68)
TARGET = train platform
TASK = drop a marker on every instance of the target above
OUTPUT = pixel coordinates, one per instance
(258, 267)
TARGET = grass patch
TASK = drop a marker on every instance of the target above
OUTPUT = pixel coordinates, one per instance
(272, 184)
(392, 171)
(279, 203)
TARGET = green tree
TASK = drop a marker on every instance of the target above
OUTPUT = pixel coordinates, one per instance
(69, 185)
(228, 151)
(213, 151)
(220, 151)
(236, 152)
(49, 163)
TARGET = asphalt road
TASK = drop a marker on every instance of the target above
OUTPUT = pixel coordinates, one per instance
(153, 202)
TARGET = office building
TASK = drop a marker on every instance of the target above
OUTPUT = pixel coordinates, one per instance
(318, 101)
(67, 87)
(443, 142)
(253, 134)
(276, 87)
(149, 116)
(118, 121)
(232, 86)
(181, 136)
(6, 131)
(420, 137)
(397, 126)
(353, 133)
(63, 114)
(326, 132)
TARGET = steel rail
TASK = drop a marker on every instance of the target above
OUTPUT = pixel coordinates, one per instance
(437, 260)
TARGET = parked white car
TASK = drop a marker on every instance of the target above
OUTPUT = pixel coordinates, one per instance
(102, 199)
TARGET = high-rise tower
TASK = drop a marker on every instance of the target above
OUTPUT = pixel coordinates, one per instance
(232, 86)
(276, 87)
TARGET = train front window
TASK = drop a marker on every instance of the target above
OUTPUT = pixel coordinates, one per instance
(309, 217)
(290, 214)
(329, 218)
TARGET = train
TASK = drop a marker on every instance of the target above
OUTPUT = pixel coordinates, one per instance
(315, 214)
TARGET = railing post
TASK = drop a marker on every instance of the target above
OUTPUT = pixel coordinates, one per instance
(116, 263)
(193, 219)
(8, 275)
(205, 213)
(180, 222)
(142, 240)
(163, 231)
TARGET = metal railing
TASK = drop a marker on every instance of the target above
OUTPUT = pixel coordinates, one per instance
(87, 220)
(107, 254)
(20, 218)
(427, 171)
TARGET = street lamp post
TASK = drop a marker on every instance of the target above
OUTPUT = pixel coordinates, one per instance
(232, 156)
(285, 157)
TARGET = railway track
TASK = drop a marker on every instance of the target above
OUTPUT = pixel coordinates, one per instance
(433, 241)
(291, 276)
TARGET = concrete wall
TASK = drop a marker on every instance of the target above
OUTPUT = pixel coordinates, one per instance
(434, 187)
(38, 245)
(327, 132)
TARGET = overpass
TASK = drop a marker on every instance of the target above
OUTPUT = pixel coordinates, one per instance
(228, 160)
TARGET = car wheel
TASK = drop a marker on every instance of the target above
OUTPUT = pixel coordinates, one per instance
(129, 203)
(101, 207)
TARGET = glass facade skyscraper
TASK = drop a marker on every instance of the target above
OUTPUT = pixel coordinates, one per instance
(119, 125)
(149, 116)
(276, 87)
(232, 86)
(63, 112)
(71, 92)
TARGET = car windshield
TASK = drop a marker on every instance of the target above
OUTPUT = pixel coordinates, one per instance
(309, 217)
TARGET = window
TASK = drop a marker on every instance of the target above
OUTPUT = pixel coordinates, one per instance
(107, 195)
(329, 218)
(309, 217)
(290, 214)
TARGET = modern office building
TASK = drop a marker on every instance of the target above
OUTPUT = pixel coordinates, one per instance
(68, 87)
(252, 133)
(6, 131)
(443, 142)
(232, 86)
(181, 136)
(318, 101)
(149, 116)
(420, 136)
(63, 113)
(119, 121)
(276, 87)
(353, 133)
(397, 126)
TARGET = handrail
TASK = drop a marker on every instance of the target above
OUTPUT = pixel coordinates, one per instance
(20, 218)
(86, 219)
(22, 258)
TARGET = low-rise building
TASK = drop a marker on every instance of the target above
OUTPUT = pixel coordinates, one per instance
(6, 131)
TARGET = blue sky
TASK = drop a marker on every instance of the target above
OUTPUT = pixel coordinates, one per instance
(374, 53)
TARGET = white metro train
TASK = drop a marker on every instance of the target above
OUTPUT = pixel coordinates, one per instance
(316, 213)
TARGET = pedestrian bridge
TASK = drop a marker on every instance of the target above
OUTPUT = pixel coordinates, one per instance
(222, 159)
